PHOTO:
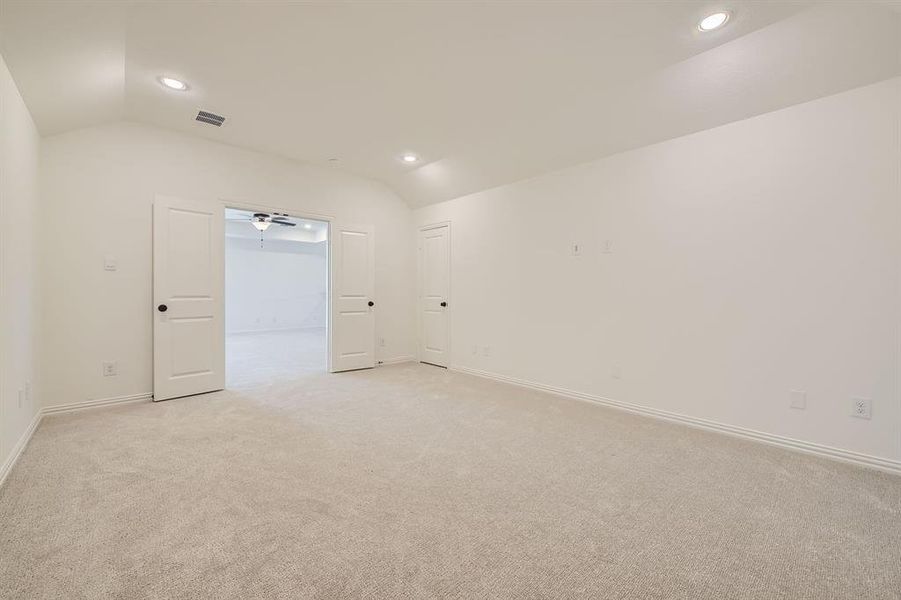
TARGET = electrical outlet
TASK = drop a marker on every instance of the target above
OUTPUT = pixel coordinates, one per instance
(110, 263)
(110, 368)
(861, 408)
(607, 247)
(798, 400)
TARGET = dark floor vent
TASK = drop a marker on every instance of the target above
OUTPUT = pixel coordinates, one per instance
(208, 117)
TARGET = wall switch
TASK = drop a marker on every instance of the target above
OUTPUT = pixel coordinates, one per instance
(110, 368)
(607, 247)
(577, 249)
(486, 350)
(861, 408)
(475, 349)
(616, 373)
(798, 400)
(382, 342)
(110, 263)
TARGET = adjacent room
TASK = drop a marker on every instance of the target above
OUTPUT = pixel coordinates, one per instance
(276, 297)
(509, 299)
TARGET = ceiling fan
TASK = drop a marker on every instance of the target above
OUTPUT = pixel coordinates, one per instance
(262, 221)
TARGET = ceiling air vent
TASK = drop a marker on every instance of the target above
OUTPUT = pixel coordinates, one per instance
(208, 117)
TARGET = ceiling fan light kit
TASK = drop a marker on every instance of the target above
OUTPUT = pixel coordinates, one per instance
(262, 222)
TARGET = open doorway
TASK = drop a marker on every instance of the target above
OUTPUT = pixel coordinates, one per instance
(276, 297)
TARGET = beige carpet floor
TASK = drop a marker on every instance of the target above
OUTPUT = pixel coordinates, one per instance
(257, 359)
(411, 482)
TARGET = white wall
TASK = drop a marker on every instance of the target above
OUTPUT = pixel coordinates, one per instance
(98, 185)
(19, 153)
(747, 261)
(282, 285)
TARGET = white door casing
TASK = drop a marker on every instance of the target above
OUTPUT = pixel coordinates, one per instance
(188, 297)
(434, 295)
(353, 306)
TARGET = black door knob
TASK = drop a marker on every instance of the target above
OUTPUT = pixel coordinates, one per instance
(444, 304)
(371, 303)
(162, 308)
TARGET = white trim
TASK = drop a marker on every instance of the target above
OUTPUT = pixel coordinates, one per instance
(62, 408)
(268, 208)
(435, 225)
(848, 456)
(395, 360)
(17, 450)
(7, 467)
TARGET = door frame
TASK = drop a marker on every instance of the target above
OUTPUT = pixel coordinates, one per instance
(419, 280)
(299, 214)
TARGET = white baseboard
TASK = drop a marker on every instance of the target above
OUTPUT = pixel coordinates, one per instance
(396, 360)
(61, 408)
(57, 409)
(19, 447)
(849, 456)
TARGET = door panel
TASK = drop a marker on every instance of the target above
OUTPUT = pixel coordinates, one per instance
(353, 319)
(188, 280)
(434, 293)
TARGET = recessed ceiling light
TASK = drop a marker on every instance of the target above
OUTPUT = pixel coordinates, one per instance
(409, 158)
(714, 21)
(174, 84)
(307, 226)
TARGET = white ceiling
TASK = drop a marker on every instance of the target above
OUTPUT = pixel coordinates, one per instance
(486, 92)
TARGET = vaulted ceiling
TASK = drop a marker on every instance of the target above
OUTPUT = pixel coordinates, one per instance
(484, 92)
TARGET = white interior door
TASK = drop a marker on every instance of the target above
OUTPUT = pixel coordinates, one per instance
(188, 303)
(434, 295)
(353, 282)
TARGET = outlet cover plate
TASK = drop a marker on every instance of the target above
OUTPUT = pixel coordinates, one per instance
(862, 408)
